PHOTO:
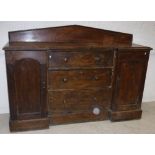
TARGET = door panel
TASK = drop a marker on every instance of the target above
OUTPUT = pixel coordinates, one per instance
(129, 81)
(27, 77)
(27, 86)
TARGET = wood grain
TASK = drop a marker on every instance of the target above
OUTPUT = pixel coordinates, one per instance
(74, 58)
(75, 101)
(73, 74)
(79, 79)
(72, 33)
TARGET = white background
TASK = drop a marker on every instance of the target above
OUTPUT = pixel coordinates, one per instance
(78, 10)
(143, 33)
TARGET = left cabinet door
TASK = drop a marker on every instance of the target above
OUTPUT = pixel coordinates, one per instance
(26, 74)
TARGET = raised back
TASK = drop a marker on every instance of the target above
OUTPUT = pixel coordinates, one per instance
(72, 33)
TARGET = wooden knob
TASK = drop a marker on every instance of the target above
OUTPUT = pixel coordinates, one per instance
(65, 59)
(50, 56)
(65, 79)
(97, 58)
(95, 99)
(96, 77)
(44, 84)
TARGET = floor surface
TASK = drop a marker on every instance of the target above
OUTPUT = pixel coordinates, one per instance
(145, 125)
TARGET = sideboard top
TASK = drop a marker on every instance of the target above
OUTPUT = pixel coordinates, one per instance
(67, 37)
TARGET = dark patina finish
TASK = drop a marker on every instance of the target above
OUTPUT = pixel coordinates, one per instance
(73, 74)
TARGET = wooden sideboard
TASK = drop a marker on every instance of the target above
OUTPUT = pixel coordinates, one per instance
(73, 74)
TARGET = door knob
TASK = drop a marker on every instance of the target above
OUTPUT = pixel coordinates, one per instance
(50, 56)
(44, 84)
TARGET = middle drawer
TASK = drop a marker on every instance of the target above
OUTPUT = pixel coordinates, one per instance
(79, 79)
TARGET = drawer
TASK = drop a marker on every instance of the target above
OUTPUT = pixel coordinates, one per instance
(79, 79)
(81, 58)
(66, 102)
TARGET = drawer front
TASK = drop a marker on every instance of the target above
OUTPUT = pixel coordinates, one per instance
(77, 59)
(66, 102)
(79, 79)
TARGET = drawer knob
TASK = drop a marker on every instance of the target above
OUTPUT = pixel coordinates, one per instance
(65, 79)
(81, 72)
(95, 99)
(96, 77)
(66, 59)
(97, 58)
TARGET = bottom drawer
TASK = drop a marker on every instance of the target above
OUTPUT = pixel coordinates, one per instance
(79, 101)
(77, 118)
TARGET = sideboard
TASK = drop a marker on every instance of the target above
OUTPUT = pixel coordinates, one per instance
(72, 74)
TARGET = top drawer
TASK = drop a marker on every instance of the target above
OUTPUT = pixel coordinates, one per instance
(81, 58)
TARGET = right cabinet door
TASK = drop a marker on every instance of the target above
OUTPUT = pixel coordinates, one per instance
(129, 80)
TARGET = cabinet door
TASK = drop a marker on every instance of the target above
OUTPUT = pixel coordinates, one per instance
(27, 84)
(129, 79)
